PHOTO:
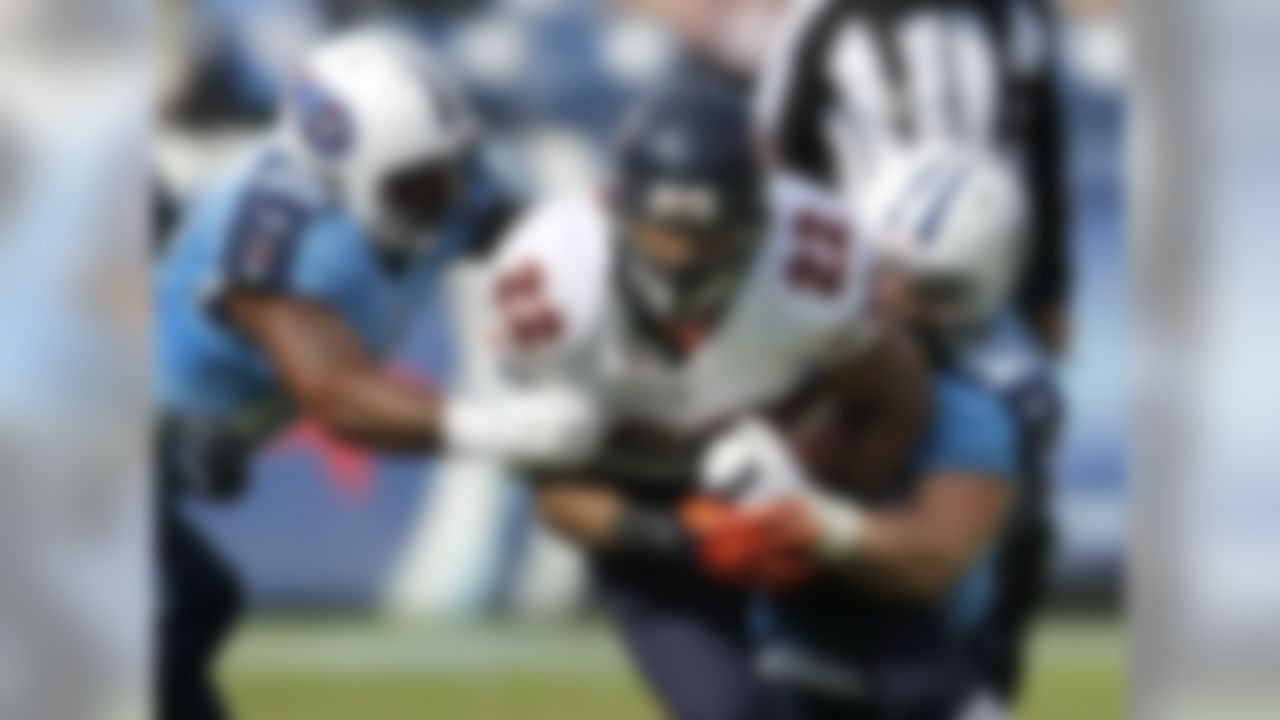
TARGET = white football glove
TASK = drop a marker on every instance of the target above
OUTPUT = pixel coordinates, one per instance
(750, 465)
(542, 426)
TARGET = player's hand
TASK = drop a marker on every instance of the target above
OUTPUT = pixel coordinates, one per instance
(746, 547)
(750, 465)
(826, 528)
(543, 426)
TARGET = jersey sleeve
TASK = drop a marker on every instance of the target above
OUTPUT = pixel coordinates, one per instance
(271, 233)
(972, 433)
(546, 290)
(264, 233)
(261, 229)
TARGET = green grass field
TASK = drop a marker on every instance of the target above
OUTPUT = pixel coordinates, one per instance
(325, 669)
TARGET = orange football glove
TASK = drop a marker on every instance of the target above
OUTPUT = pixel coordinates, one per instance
(766, 549)
(724, 538)
(785, 557)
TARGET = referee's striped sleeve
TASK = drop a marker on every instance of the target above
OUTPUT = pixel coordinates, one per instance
(787, 99)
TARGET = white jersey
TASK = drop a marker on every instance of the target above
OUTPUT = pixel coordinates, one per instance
(559, 316)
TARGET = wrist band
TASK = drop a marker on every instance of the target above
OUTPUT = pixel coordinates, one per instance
(644, 533)
(840, 524)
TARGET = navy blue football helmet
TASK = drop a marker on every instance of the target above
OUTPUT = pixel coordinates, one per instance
(688, 192)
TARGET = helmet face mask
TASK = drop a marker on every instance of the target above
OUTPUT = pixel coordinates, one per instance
(682, 274)
(688, 197)
(414, 201)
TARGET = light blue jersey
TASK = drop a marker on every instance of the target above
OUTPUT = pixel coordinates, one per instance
(268, 227)
(973, 433)
(883, 648)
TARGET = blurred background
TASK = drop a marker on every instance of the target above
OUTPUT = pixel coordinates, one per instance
(342, 551)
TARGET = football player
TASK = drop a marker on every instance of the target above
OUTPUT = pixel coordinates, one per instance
(287, 281)
(907, 584)
(950, 276)
(694, 290)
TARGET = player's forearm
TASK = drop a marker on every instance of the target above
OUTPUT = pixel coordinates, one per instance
(918, 551)
(582, 514)
(602, 521)
(903, 557)
(375, 411)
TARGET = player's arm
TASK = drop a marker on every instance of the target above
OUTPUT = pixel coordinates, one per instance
(915, 549)
(916, 552)
(603, 521)
(332, 378)
(725, 544)
(920, 550)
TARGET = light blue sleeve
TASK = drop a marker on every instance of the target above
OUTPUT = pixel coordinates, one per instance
(271, 231)
(972, 432)
(241, 232)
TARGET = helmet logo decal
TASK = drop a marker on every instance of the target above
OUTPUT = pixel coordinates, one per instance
(326, 124)
(931, 222)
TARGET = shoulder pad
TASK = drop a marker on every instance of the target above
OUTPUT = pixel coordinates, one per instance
(547, 286)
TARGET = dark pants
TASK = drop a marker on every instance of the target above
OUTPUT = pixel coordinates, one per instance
(200, 594)
(689, 639)
(201, 602)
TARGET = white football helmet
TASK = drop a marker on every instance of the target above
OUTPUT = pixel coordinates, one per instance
(377, 115)
(951, 217)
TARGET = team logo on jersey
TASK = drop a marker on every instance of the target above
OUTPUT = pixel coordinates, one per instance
(325, 123)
